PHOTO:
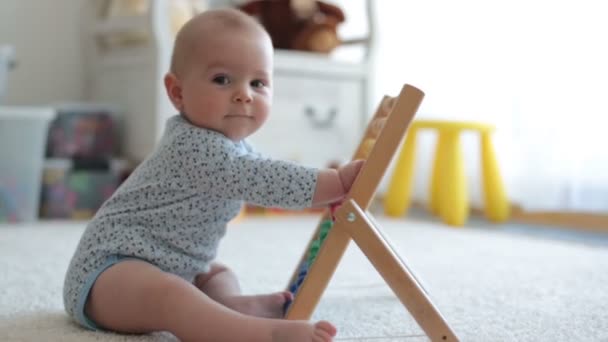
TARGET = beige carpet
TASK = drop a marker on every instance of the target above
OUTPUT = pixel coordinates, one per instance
(489, 284)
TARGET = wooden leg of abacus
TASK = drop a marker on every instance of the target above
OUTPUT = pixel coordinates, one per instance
(319, 274)
(308, 295)
(355, 222)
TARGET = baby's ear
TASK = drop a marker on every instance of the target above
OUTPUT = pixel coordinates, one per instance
(174, 90)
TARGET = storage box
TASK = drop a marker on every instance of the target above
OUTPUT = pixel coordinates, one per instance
(75, 190)
(83, 130)
(23, 133)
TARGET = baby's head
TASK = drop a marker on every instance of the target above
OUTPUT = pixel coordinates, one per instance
(221, 73)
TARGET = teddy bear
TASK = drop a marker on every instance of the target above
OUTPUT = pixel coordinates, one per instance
(305, 25)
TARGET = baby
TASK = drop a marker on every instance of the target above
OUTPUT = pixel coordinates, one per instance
(146, 260)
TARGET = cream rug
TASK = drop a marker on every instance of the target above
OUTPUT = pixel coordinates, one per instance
(489, 284)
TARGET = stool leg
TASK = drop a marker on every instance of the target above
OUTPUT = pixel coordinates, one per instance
(496, 203)
(438, 165)
(454, 205)
(400, 188)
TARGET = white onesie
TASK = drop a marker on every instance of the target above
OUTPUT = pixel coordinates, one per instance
(173, 209)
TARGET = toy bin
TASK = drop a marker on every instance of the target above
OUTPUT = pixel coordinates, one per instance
(83, 130)
(76, 189)
(23, 133)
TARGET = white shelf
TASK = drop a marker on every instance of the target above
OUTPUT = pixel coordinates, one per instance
(308, 62)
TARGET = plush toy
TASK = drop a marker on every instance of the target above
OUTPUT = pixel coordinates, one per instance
(298, 24)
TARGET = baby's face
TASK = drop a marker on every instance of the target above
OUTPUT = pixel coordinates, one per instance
(227, 87)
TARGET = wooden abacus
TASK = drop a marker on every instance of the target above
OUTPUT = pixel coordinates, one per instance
(382, 138)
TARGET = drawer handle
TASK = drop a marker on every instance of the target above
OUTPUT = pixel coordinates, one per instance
(317, 121)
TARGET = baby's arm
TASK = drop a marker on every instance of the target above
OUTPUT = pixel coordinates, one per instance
(228, 174)
(334, 184)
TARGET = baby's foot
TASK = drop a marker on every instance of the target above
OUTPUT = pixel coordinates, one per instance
(267, 306)
(300, 331)
(324, 332)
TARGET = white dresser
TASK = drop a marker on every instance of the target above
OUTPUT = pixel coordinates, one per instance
(319, 109)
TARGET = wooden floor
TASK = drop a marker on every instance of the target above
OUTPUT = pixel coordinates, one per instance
(573, 220)
(585, 221)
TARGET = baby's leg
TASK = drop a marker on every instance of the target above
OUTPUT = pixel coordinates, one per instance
(221, 285)
(137, 297)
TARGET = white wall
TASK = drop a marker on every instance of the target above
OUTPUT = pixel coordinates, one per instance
(537, 70)
(47, 38)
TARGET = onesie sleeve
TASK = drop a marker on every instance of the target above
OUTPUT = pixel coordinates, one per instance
(215, 166)
(269, 182)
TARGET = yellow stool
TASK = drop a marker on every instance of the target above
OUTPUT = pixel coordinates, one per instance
(448, 191)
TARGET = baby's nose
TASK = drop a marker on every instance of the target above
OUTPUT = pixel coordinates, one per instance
(242, 95)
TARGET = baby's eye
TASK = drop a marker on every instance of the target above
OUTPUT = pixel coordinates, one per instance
(221, 80)
(258, 84)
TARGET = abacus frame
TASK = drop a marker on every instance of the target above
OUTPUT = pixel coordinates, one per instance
(353, 222)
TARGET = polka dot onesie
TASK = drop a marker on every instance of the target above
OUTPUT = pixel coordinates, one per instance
(173, 209)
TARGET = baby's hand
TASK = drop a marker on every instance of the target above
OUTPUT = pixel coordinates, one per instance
(333, 185)
(348, 173)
